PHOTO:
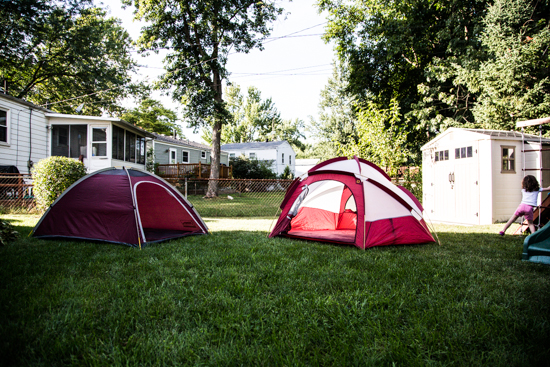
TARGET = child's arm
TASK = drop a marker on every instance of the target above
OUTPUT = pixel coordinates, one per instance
(545, 189)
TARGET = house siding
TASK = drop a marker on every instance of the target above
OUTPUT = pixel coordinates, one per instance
(273, 154)
(27, 135)
(162, 154)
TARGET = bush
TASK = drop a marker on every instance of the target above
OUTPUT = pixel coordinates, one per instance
(252, 169)
(54, 175)
(286, 175)
(7, 232)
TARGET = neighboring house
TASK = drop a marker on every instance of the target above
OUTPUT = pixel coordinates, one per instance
(101, 141)
(472, 176)
(23, 133)
(303, 165)
(170, 150)
(279, 153)
(29, 133)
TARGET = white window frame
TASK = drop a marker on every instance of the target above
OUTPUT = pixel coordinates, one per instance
(203, 154)
(231, 155)
(188, 156)
(252, 155)
(508, 160)
(290, 159)
(175, 151)
(8, 115)
(106, 141)
(283, 158)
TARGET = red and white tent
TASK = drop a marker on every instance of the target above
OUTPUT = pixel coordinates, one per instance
(351, 202)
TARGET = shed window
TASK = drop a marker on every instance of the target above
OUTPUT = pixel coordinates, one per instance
(3, 126)
(442, 155)
(464, 152)
(283, 158)
(203, 154)
(508, 159)
(252, 155)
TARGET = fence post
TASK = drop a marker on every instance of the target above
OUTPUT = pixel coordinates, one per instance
(186, 187)
(200, 170)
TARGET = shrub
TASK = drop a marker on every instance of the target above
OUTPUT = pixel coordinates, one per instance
(7, 232)
(286, 175)
(54, 175)
(252, 168)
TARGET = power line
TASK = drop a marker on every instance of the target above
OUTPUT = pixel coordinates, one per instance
(187, 67)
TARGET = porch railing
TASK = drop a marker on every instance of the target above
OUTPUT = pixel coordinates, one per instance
(190, 170)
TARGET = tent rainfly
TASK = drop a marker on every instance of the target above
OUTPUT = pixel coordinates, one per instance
(127, 206)
(351, 202)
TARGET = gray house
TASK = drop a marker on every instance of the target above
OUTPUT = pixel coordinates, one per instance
(169, 150)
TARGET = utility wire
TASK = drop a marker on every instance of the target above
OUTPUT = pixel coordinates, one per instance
(187, 67)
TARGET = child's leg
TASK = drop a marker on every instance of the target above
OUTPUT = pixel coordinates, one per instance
(531, 226)
(509, 223)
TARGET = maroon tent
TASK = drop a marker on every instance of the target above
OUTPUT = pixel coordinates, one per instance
(127, 206)
(351, 202)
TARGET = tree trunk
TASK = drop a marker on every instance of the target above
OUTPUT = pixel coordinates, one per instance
(215, 160)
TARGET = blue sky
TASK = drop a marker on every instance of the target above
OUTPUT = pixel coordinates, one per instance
(292, 70)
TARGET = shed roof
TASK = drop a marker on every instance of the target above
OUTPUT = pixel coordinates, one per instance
(256, 145)
(491, 135)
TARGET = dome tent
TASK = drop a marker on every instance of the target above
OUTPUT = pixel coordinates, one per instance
(351, 202)
(127, 206)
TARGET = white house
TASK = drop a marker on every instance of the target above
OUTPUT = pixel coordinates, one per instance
(100, 142)
(473, 176)
(23, 133)
(29, 133)
(279, 153)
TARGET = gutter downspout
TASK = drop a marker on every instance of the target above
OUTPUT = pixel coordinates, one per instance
(30, 162)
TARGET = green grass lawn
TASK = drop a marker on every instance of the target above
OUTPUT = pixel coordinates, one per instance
(235, 298)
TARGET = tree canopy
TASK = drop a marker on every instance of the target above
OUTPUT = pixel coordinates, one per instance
(255, 119)
(64, 53)
(199, 36)
(445, 63)
(152, 116)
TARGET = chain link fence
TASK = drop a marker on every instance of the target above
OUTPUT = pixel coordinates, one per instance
(16, 193)
(236, 198)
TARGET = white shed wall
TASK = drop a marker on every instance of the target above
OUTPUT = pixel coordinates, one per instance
(507, 186)
(485, 182)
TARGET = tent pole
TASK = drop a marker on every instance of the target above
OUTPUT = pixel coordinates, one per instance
(134, 204)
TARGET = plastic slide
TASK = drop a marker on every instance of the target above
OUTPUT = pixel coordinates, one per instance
(536, 247)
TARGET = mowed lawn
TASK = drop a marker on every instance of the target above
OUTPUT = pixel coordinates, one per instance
(237, 298)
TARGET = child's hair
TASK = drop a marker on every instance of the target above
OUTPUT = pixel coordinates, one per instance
(530, 183)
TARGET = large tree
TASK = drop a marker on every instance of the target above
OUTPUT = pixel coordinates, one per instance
(337, 116)
(507, 81)
(64, 53)
(257, 119)
(387, 46)
(199, 34)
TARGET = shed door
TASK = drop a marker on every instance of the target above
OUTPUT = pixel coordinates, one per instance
(456, 185)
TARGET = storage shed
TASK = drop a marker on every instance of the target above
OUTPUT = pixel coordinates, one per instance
(473, 176)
